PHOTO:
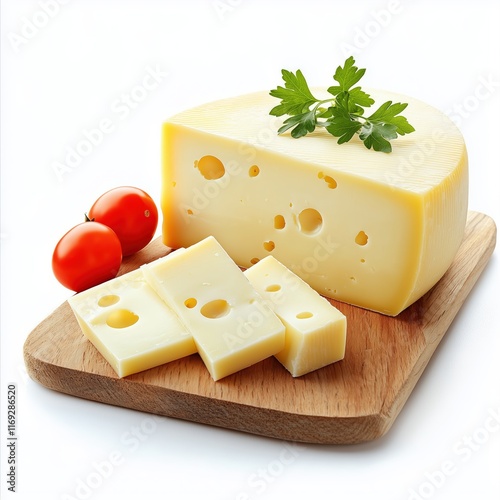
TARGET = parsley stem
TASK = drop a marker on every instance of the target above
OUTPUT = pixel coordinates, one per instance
(324, 101)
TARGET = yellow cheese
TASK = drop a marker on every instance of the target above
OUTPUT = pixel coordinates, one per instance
(315, 334)
(231, 324)
(372, 229)
(130, 325)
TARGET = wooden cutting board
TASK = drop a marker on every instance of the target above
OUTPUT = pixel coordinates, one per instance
(354, 400)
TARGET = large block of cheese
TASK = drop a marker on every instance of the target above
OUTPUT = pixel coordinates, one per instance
(130, 325)
(315, 334)
(372, 229)
(231, 324)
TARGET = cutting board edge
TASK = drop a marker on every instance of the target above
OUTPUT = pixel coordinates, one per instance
(271, 423)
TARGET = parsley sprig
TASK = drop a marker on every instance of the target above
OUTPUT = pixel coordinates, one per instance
(342, 114)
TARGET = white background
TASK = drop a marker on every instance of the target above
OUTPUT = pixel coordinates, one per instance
(63, 73)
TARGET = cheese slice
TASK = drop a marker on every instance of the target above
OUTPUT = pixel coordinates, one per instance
(130, 325)
(231, 324)
(315, 334)
(372, 229)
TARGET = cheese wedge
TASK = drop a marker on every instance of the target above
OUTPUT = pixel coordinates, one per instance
(231, 324)
(372, 229)
(130, 325)
(315, 334)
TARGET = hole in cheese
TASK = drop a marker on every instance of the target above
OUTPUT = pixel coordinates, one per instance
(273, 288)
(331, 182)
(279, 222)
(310, 221)
(108, 300)
(215, 309)
(121, 318)
(269, 245)
(254, 171)
(304, 315)
(361, 238)
(210, 167)
(254, 260)
(190, 303)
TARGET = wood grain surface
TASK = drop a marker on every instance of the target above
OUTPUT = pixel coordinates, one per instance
(351, 401)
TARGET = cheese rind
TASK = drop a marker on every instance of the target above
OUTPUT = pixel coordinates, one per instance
(315, 334)
(372, 229)
(231, 324)
(130, 325)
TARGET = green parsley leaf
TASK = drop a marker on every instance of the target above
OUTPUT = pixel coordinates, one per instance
(377, 136)
(303, 123)
(296, 97)
(358, 97)
(387, 113)
(344, 115)
(342, 125)
(347, 76)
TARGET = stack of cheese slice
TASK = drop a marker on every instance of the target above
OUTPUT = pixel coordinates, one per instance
(198, 300)
(372, 229)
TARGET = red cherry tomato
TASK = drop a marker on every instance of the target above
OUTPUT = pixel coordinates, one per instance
(131, 213)
(87, 255)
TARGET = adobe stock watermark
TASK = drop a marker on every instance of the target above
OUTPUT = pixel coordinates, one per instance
(263, 309)
(247, 325)
(365, 33)
(425, 149)
(417, 158)
(31, 26)
(101, 470)
(463, 450)
(325, 247)
(484, 89)
(224, 7)
(202, 197)
(121, 108)
(260, 480)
